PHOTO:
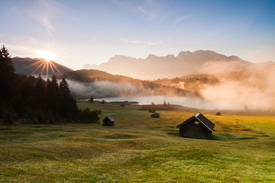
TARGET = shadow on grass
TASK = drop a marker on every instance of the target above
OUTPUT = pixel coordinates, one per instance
(221, 137)
(120, 136)
(228, 137)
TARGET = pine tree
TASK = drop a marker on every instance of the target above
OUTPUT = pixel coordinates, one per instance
(68, 107)
(39, 93)
(164, 103)
(52, 94)
(91, 99)
(6, 74)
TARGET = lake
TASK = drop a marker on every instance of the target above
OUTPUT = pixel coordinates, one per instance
(184, 101)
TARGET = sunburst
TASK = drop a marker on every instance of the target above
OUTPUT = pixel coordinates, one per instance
(48, 56)
(46, 63)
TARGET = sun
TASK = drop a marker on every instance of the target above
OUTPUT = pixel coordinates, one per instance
(48, 56)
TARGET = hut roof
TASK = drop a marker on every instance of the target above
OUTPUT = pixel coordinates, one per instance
(202, 119)
(155, 115)
(110, 117)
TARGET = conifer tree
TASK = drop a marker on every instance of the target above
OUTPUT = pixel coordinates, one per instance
(68, 107)
(39, 93)
(53, 95)
(6, 74)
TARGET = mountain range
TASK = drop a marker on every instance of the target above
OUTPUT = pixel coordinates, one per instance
(35, 66)
(153, 67)
(170, 66)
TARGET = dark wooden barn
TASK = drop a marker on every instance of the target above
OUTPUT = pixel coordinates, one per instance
(152, 110)
(98, 111)
(108, 121)
(198, 126)
(155, 115)
(218, 113)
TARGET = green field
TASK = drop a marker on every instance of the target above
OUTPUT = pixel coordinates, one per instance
(139, 149)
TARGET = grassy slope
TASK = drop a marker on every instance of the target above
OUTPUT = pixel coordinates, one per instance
(138, 149)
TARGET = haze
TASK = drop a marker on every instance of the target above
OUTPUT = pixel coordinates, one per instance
(91, 31)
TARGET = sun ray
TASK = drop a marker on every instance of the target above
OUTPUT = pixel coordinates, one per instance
(37, 68)
(35, 62)
(57, 70)
(44, 66)
(51, 67)
(29, 75)
(47, 72)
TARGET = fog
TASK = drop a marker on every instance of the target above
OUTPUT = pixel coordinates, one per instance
(239, 85)
(100, 89)
(253, 86)
(184, 101)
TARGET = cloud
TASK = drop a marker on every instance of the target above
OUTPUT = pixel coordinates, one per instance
(23, 50)
(140, 9)
(42, 11)
(141, 42)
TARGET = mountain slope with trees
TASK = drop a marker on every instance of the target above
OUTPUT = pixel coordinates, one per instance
(33, 100)
(34, 66)
(117, 85)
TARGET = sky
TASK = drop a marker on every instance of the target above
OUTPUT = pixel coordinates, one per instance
(76, 32)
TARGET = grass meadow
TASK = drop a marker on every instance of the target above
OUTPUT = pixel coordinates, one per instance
(139, 149)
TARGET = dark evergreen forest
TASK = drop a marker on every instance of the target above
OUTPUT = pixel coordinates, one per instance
(26, 99)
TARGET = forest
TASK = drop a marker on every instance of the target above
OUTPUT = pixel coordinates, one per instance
(33, 100)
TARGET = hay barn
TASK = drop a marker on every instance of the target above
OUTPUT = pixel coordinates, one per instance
(218, 113)
(198, 126)
(156, 115)
(108, 121)
(98, 111)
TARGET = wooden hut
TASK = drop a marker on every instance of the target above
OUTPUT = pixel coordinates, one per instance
(218, 113)
(122, 105)
(152, 110)
(108, 121)
(198, 126)
(155, 115)
(98, 111)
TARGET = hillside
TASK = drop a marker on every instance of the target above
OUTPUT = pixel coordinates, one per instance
(170, 66)
(31, 66)
(86, 83)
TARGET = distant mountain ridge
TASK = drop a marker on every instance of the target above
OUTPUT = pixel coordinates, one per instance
(170, 66)
(32, 66)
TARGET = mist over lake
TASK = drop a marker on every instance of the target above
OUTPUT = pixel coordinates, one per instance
(184, 101)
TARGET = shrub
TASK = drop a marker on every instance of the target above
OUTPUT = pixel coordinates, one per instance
(26, 119)
(9, 116)
(87, 116)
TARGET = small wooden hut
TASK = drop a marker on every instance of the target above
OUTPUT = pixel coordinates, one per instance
(152, 110)
(198, 126)
(98, 111)
(218, 113)
(155, 115)
(108, 121)
(122, 105)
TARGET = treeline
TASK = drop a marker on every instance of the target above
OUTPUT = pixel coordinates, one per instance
(143, 87)
(193, 84)
(33, 100)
